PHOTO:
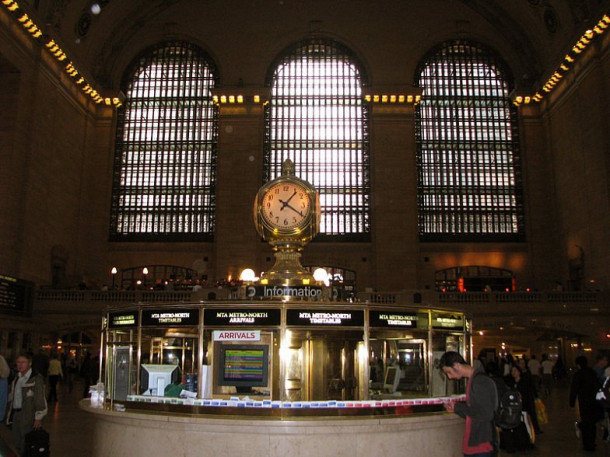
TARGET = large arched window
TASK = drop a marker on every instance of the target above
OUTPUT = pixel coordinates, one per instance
(317, 118)
(469, 182)
(165, 159)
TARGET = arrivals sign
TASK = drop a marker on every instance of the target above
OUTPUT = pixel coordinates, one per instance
(123, 319)
(392, 319)
(309, 317)
(245, 317)
(170, 317)
(237, 335)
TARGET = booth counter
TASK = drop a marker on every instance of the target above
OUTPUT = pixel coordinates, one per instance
(277, 378)
(368, 431)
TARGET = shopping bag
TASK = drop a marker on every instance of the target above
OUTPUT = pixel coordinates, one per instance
(527, 420)
(541, 415)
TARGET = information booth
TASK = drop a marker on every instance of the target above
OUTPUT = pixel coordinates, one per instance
(286, 371)
(279, 352)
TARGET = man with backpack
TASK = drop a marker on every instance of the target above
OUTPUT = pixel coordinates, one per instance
(479, 433)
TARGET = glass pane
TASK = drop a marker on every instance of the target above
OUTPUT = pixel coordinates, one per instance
(164, 177)
(317, 118)
(468, 160)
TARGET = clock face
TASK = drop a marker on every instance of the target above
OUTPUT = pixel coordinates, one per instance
(285, 205)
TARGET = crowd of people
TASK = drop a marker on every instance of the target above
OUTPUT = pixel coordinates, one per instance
(533, 380)
(29, 384)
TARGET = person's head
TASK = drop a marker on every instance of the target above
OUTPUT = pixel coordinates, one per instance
(522, 364)
(581, 361)
(515, 372)
(454, 366)
(602, 360)
(24, 362)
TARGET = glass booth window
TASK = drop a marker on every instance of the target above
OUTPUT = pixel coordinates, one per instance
(397, 363)
(243, 367)
(324, 365)
(121, 367)
(170, 355)
(443, 341)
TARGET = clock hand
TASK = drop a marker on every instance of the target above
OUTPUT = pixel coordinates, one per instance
(288, 201)
(300, 213)
(285, 203)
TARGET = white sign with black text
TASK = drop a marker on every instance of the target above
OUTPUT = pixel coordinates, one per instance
(237, 335)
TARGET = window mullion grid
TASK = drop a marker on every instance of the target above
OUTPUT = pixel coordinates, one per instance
(322, 125)
(161, 111)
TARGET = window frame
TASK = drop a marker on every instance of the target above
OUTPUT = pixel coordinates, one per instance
(308, 170)
(195, 119)
(482, 154)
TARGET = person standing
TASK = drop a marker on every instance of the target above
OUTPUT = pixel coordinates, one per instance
(5, 372)
(547, 366)
(584, 387)
(528, 392)
(479, 433)
(72, 371)
(524, 386)
(533, 365)
(55, 374)
(601, 363)
(85, 372)
(28, 405)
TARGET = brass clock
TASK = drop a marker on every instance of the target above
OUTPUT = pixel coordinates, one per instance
(286, 205)
(287, 208)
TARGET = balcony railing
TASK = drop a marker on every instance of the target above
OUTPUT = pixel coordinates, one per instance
(491, 299)
(466, 300)
(132, 296)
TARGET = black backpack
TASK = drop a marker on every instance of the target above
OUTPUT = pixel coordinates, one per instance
(509, 406)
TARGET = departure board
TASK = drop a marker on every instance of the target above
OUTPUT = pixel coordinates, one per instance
(16, 296)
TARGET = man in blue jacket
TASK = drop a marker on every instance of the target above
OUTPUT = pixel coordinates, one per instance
(479, 407)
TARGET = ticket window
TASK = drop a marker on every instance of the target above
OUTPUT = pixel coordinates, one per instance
(323, 365)
(397, 364)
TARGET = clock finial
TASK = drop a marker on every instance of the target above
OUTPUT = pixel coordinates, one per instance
(288, 168)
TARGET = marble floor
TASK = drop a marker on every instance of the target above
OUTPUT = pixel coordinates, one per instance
(71, 428)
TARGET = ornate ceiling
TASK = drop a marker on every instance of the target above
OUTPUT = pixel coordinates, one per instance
(532, 35)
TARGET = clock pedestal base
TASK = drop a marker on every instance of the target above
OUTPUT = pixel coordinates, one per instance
(287, 269)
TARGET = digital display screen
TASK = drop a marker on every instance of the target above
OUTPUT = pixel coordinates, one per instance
(243, 365)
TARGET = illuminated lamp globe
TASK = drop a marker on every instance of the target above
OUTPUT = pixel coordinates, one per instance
(321, 275)
(248, 275)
